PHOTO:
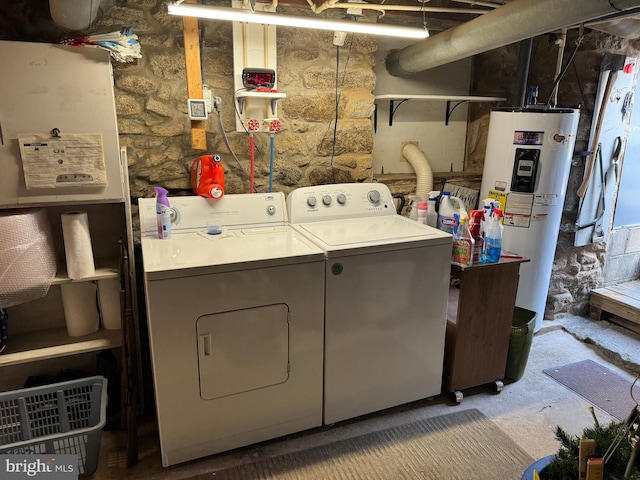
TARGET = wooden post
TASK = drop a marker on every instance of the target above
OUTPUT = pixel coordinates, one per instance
(194, 77)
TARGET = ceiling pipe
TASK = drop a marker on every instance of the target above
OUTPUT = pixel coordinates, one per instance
(74, 15)
(399, 8)
(513, 22)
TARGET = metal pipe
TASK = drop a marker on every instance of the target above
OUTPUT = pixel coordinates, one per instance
(561, 42)
(522, 72)
(513, 22)
(482, 4)
(402, 8)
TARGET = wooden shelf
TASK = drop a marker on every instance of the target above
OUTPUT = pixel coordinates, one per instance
(53, 343)
(273, 97)
(458, 99)
(102, 273)
(453, 98)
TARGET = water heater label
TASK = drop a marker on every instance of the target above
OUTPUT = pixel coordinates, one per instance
(517, 211)
(514, 220)
(527, 138)
(546, 200)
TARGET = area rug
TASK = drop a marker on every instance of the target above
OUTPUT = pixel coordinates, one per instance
(464, 445)
(598, 385)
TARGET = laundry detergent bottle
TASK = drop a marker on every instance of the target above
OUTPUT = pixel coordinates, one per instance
(207, 176)
(163, 213)
(447, 212)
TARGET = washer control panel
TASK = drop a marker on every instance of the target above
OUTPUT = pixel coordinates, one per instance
(191, 213)
(344, 200)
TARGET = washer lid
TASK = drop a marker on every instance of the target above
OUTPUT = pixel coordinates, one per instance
(392, 231)
(199, 254)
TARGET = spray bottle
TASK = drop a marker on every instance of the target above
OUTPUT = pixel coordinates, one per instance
(163, 213)
(207, 176)
(463, 243)
(493, 238)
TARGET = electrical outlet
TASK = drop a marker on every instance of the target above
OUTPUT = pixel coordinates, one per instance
(402, 144)
(339, 38)
(208, 97)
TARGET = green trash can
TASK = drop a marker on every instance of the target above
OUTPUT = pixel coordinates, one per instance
(522, 327)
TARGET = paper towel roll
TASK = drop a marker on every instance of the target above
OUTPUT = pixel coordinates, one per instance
(109, 297)
(27, 257)
(80, 308)
(77, 245)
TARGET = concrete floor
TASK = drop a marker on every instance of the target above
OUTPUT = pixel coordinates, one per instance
(528, 410)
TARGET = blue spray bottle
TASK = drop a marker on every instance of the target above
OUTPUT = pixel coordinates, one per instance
(163, 213)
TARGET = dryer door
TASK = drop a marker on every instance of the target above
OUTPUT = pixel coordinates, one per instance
(243, 350)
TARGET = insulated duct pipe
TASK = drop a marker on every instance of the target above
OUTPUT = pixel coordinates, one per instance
(420, 164)
(74, 15)
(510, 23)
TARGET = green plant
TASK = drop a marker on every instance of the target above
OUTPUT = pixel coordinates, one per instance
(565, 464)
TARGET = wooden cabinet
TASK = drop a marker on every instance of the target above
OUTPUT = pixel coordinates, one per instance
(479, 318)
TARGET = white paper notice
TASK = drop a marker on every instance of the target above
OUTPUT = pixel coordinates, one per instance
(517, 211)
(71, 160)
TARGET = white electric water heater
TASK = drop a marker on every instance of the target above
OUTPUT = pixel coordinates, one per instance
(526, 168)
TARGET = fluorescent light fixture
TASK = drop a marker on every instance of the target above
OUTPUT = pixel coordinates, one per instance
(268, 18)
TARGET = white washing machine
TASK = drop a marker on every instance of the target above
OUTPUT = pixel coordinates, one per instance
(235, 324)
(386, 290)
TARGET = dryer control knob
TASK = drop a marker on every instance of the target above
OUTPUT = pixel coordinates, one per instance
(342, 199)
(311, 201)
(374, 196)
(326, 200)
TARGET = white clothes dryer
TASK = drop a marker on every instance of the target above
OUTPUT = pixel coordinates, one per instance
(235, 324)
(386, 290)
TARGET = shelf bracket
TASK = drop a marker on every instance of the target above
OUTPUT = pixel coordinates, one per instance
(450, 109)
(392, 110)
(375, 118)
(240, 104)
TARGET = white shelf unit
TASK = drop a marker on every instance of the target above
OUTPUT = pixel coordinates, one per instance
(37, 329)
(450, 99)
(75, 96)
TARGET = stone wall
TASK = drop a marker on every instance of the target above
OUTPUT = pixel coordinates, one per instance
(151, 101)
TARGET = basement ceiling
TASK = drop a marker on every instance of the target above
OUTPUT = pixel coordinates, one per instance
(441, 15)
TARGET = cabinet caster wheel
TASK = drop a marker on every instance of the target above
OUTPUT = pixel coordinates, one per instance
(498, 386)
(457, 396)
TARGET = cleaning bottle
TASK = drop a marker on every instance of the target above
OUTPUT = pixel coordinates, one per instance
(475, 219)
(163, 213)
(422, 213)
(207, 176)
(446, 212)
(493, 238)
(432, 214)
(463, 243)
(414, 202)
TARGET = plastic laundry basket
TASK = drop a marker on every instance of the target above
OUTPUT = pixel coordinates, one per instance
(522, 327)
(62, 418)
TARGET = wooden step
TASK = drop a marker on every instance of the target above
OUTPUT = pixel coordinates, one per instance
(621, 300)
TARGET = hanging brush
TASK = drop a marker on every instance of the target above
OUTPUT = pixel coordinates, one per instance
(122, 44)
